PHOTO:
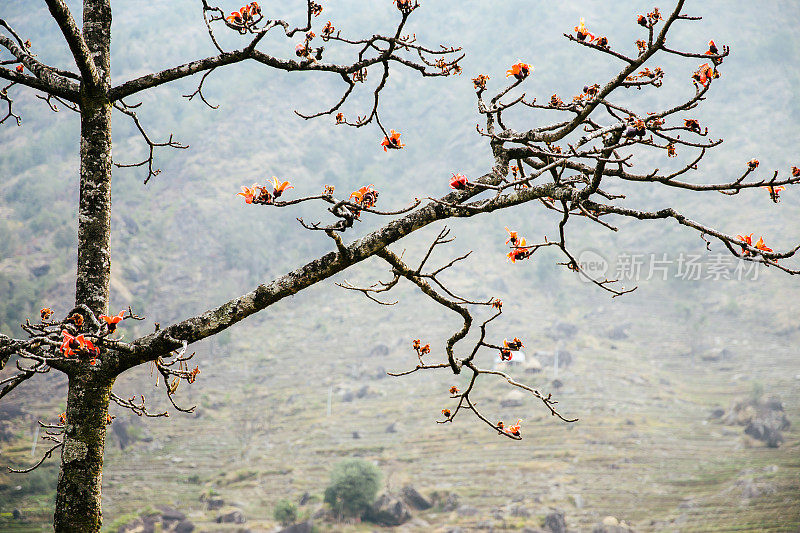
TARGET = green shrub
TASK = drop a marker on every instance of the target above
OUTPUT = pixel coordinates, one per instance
(353, 487)
(285, 512)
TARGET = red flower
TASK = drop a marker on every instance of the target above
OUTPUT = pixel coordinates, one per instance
(512, 237)
(85, 345)
(453, 390)
(392, 141)
(748, 239)
(446, 413)
(459, 181)
(248, 193)
(519, 252)
(366, 196)
(712, 51)
(752, 164)
(671, 150)
(519, 71)
(20, 68)
(704, 74)
(774, 193)
(69, 344)
(46, 313)
(582, 32)
(279, 187)
(761, 246)
(692, 125)
(641, 20)
(479, 82)
(112, 321)
(513, 430)
(795, 172)
(514, 345)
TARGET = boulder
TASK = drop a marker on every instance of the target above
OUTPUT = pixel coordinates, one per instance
(555, 522)
(366, 392)
(764, 418)
(212, 502)
(766, 429)
(414, 499)
(231, 516)
(184, 526)
(170, 515)
(611, 525)
(388, 511)
(717, 355)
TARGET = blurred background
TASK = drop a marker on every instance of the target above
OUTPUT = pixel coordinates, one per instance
(687, 389)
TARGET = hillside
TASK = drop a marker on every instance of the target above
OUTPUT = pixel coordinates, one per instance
(646, 448)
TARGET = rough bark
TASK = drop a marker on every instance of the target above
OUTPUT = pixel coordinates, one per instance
(79, 481)
(78, 506)
(94, 218)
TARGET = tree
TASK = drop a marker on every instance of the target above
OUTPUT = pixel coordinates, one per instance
(353, 487)
(561, 166)
(285, 512)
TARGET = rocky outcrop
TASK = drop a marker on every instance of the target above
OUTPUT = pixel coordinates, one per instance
(231, 516)
(388, 511)
(763, 419)
(555, 522)
(165, 519)
(414, 499)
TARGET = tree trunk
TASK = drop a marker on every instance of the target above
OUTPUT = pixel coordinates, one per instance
(94, 219)
(80, 479)
(78, 507)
